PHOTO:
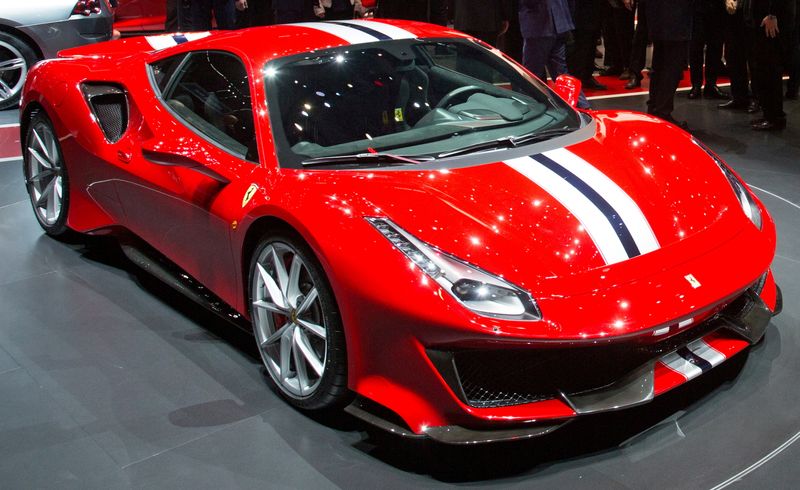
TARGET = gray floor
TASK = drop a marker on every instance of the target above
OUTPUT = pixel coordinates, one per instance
(109, 380)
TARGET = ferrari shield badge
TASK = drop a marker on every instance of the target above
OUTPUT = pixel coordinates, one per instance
(692, 280)
(251, 191)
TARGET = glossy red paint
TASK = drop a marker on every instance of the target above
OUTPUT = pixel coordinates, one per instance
(485, 214)
(140, 15)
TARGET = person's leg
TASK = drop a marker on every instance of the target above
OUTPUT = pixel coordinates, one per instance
(535, 53)
(623, 23)
(714, 38)
(201, 15)
(639, 45)
(225, 14)
(696, 51)
(736, 59)
(171, 21)
(770, 83)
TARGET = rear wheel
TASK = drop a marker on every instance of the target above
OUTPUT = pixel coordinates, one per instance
(16, 58)
(297, 324)
(46, 176)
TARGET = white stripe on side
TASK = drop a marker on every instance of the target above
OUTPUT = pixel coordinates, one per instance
(628, 210)
(161, 42)
(352, 36)
(593, 220)
(681, 366)
(164, 41)
(701, 349)
(386, 29)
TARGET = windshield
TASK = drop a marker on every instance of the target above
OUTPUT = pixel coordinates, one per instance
(413, 98)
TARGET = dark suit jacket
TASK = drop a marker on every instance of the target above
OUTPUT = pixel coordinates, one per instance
(480, 15)
(669, 20)
(545, 18)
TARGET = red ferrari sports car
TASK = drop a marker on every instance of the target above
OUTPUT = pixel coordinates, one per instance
(414, 225)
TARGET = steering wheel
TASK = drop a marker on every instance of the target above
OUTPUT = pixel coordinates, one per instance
(447, 100)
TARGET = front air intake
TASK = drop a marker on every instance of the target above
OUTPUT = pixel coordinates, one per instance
(109, 104)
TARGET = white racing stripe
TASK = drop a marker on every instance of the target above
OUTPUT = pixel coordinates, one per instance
(701, 349)
(622, 203)
(593, 220)
(349, 34)
(165, 41)
(681, 366)
(393, 32)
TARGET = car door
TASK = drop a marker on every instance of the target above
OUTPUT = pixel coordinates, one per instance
(197, 148)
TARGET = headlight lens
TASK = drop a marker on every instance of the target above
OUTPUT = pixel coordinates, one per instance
(476, 289)
(747, 202)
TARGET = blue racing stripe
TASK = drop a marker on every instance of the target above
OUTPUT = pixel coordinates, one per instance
(180, 38)
(693, 358)
(613, 217)
(366, 30)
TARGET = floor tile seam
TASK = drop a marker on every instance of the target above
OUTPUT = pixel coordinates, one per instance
(66, 412)
(192, 440)
(27, 278)
(11, 370)
(12, 204)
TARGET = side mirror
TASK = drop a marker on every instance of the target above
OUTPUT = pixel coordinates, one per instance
(569, 88)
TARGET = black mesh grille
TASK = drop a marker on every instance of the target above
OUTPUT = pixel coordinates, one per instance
(111, 112)
(496, 378)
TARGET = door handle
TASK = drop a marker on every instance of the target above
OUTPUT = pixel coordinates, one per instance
(173, 160)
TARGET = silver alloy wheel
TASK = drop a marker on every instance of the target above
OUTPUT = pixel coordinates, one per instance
(288, 320)
(13, 70)
(46, 171)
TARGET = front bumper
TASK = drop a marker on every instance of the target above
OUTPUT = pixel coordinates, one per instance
(73, 32)
(527, 396)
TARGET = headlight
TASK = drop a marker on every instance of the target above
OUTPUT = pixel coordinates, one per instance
(747, 202)
(476, 289)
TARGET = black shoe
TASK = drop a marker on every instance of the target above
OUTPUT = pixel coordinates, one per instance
(734, 104)
(758, 121)
(592, 84)
(681, 124)
(713, 92)
(633, 83)
(611, 71)
(753, 107)
(695, 93)
(626, 74)
(765, 125)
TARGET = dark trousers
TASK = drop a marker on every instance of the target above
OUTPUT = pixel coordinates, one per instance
(640, 40)
(257, 13)
(618, 37)
(178, 16)
(339, 14)
(224, 12)
(736, 55)
(669, 58)
(766, 62)
(708, 26)
(580, 58)
(545, 54)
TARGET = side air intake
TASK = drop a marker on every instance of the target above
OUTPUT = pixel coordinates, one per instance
(109, 104)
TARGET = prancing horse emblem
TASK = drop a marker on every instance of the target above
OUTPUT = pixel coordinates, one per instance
(692, 280)
(251, 191)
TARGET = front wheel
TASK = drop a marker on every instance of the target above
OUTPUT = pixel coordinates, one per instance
(46, 176)
(297, 324)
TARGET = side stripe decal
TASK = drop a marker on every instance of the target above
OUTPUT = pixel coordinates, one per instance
(163, 41)
(610, 217)
(372, 32)
(694, 359)
(357, 32)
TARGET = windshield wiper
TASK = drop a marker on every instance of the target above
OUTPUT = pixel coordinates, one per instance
(510, 141)
(366, 158)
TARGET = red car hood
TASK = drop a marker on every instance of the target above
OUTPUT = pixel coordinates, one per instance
(503, 219)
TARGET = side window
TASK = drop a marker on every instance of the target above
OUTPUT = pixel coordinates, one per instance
(210, 92)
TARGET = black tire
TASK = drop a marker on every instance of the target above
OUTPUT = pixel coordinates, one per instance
(13, 48)
(53, 223)
(330, 389)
